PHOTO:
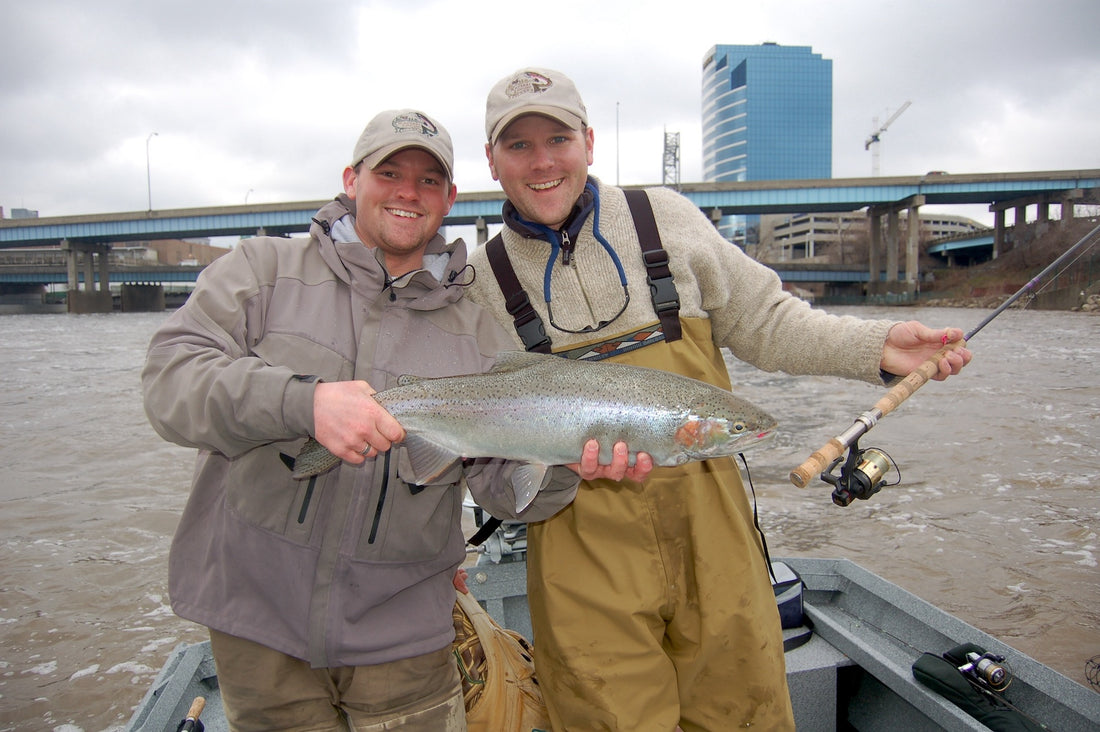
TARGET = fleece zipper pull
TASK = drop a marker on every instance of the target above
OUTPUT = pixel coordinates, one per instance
(566, 248)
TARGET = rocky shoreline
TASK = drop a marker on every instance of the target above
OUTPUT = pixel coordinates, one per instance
(1091, 304)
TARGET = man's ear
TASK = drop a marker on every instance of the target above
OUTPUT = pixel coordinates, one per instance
(350, 177)
(489, 156)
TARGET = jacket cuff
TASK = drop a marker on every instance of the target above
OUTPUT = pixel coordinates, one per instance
(298, 403)
(559, 488)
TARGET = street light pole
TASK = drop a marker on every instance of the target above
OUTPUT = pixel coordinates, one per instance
(148, 174)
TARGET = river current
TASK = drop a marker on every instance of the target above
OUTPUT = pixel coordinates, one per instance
(996, 519)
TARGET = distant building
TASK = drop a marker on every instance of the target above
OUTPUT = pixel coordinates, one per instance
(841, 238)
(174, 252)
(767, 115)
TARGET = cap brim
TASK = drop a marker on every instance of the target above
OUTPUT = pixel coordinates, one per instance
(567, 118)
(380, 156)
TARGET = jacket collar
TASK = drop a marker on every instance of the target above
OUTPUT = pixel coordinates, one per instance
(439, 282)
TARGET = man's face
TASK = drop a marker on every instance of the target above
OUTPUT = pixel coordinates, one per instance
(399, 205)
(542, 165)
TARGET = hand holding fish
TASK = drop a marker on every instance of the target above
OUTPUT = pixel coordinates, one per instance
(911, 343)
(350, 423)
(589, 468)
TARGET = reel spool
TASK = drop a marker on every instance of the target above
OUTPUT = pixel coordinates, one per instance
(861, 476)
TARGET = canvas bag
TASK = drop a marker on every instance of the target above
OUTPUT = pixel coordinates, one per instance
(497, 668)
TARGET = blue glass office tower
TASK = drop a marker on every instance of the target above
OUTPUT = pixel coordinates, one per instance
(767, 115)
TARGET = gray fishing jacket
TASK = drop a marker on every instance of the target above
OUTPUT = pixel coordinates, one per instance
(355, 566)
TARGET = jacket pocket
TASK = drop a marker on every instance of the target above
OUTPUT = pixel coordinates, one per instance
(260, 491)
(412, 523)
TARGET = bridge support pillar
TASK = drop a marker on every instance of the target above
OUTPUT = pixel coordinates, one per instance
(1021, 215)
(90, 299)
(142, 298)
(892, 246)
(998, 232)
(1068, 201)
(482, 230)
(912, 246)
(874, 253)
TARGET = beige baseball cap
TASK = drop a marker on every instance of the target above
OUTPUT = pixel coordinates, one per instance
(399, 129)
(533, 91)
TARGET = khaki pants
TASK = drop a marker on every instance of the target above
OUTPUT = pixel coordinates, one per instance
(264, 690)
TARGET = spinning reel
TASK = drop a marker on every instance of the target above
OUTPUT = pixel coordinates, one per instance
(861, 476)
(987, 671)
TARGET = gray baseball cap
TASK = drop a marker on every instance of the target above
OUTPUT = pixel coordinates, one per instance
(533, 91)
(399, 129)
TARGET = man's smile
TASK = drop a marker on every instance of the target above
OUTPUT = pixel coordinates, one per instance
(545, 186)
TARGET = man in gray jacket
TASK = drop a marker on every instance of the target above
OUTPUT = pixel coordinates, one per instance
(329, 599)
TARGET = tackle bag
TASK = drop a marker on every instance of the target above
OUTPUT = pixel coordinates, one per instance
(497, 667)
(943, 676)
(788, 586)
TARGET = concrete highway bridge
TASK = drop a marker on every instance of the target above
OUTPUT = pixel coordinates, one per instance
(87, 238)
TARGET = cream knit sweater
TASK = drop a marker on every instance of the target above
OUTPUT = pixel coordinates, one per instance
(750, 313)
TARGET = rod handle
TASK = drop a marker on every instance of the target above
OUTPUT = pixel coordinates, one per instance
(890, 401)
(816, 463)
(196, 708)
(917, 378)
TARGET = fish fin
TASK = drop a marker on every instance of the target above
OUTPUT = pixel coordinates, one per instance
(313, 459)
(507, 361)
(427, 459)
(527, 481)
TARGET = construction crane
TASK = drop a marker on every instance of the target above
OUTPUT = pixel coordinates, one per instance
(875, 138)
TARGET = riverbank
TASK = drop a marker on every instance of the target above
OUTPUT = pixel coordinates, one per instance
(1091, 303)
(1076, 287)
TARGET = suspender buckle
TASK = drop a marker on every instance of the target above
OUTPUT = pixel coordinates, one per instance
(661, 285)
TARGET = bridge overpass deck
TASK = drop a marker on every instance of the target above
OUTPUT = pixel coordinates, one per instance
(159, 275)
(756, 197)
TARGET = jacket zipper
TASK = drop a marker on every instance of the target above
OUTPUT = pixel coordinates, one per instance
(306, 500)
(381, 499)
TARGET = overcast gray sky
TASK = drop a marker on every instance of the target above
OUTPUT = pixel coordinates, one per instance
(263, 101)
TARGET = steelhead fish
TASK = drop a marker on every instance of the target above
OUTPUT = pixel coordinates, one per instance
(541, 409)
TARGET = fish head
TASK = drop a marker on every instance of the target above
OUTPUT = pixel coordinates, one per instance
(705, 437)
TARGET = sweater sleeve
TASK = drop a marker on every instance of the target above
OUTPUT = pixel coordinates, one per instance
(751, 314)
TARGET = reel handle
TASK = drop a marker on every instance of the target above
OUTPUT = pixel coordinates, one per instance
(891, 400)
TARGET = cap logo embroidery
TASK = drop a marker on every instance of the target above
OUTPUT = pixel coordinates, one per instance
(528, 83)
(415, 123)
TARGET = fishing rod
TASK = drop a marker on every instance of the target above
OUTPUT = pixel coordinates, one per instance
(861, 476)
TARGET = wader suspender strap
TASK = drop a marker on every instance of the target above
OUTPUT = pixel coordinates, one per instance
(527, 322)
(662, 289)
(666, 301)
